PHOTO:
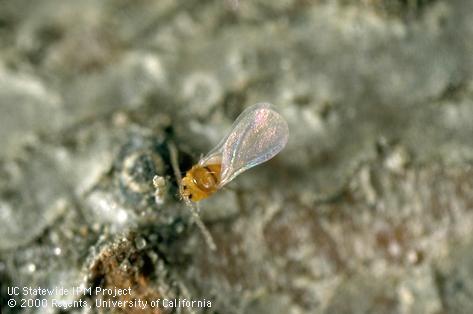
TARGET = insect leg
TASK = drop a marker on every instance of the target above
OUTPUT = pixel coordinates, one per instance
(194, 209)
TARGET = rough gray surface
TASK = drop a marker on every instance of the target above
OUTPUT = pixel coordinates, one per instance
(367, 210)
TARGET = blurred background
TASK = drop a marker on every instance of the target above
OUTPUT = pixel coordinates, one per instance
(367, 210)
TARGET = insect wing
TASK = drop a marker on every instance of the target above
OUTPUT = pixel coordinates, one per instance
(215, 155)
(258, 134)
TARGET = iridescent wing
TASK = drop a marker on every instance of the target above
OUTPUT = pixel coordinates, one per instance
(257, 135)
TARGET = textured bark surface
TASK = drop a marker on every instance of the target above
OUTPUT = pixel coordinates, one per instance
(369, 209)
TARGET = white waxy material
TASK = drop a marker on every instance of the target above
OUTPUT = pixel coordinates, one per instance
(257, 135)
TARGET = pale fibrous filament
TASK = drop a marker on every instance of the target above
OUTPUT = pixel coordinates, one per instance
(257, 135)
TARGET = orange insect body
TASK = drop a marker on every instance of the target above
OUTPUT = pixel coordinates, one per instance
(257, 135)
(201, 181)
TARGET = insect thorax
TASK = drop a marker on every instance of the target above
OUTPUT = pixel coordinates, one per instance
(201, 181)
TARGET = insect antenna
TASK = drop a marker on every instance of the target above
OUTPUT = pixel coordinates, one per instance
(194, 209)
(200, 224)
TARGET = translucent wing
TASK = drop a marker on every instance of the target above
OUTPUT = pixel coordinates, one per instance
(257, 135)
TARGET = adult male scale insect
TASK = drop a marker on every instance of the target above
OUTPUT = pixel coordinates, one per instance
(257, 135)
